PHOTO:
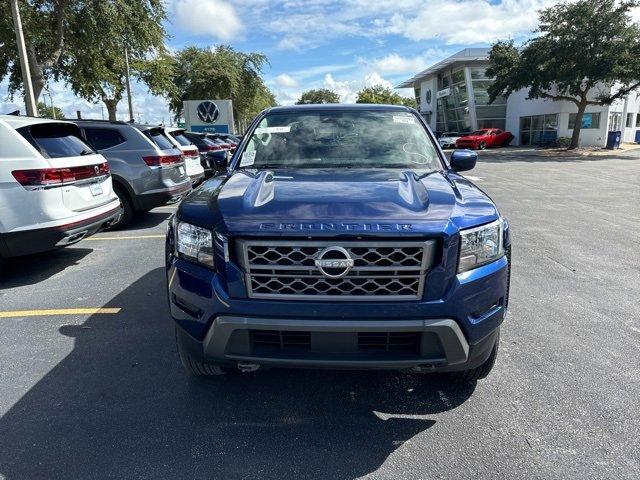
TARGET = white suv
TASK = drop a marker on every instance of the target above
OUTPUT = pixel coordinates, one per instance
(55, 189)
(190, 152)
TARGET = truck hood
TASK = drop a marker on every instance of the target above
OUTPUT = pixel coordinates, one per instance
(329, 200)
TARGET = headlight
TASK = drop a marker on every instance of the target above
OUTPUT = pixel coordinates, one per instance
(195, 244)
(480, 245)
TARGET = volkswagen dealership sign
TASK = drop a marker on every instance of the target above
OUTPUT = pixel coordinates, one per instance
(209, 116)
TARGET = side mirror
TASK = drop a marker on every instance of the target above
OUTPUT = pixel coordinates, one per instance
(463, 160)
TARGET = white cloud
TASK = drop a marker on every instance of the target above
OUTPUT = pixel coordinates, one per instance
(303, 25)
(348, 90)
(213, 18)
(285, 80)
(467, 21)
(394, 63)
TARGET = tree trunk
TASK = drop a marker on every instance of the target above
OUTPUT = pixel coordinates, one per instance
(575, 136)
(112, 106)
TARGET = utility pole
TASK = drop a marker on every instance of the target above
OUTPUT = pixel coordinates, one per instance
(29, 100)
(126, 74)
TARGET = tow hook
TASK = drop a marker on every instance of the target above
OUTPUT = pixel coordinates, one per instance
(247, 367)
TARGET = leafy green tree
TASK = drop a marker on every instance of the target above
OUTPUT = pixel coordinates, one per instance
(220, 73)
(47, 111)
(97, 72)
(319, 95)
(81, 42)
(586, 53)
(382, 94)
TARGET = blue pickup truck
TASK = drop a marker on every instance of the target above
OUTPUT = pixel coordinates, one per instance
(339, 237)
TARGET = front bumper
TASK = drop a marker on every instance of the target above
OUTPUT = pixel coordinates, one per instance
(338, 344)
(455, 332)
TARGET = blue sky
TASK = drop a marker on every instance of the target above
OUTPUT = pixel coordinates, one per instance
(342, 45)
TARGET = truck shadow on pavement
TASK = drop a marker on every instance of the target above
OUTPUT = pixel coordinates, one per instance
(119, 406)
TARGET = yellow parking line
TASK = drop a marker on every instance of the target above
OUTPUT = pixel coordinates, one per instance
(59, 311)
(133, 237)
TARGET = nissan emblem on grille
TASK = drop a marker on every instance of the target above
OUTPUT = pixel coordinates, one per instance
(334, 262)
(308, 269)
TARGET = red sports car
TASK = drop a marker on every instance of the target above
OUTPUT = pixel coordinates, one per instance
(486, 138)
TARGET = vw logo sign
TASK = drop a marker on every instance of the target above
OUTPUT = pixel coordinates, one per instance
(334, 262)
(208, 112)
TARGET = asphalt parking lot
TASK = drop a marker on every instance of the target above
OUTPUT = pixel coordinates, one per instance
(100, 393)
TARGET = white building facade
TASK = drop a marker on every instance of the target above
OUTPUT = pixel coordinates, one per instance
(452, 96)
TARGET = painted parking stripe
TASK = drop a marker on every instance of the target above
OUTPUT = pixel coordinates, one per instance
(60, 311)
(132, 237)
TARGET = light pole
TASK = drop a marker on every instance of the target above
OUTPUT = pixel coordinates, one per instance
(29, 99)
(126, 73)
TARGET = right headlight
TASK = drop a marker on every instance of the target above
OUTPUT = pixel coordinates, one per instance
(195, 244)
(480, 245)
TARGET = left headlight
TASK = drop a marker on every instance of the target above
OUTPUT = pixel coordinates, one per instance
(195, 244)
(480, 245)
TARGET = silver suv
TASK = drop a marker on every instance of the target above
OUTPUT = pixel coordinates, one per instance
(147, 169)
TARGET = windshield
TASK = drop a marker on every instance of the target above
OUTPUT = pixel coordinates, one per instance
(330, 139)
(479, 132)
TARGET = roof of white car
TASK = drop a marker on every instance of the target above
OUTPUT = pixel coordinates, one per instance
(20, 121)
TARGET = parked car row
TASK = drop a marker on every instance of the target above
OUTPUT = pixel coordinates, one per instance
(478, 140)
(62, 181)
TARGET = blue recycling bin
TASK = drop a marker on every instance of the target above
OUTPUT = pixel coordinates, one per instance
(637, 136)
(613, 140)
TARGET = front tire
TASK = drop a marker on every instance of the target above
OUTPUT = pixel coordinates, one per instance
(481, 371)
(193, 367)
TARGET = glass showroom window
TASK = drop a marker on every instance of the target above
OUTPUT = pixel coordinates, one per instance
(456, 104)
(589, 120)
(539, 129)
(629, 120)
(489, 115)
(638, 119)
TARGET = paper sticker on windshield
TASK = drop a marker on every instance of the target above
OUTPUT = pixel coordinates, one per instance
(248, 158)
(403, 119)
(261, 130)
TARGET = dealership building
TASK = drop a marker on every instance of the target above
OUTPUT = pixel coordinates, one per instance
(452, 97)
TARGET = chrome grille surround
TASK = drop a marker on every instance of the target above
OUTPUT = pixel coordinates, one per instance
(382, 271)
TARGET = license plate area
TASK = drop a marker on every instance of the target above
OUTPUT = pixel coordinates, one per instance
(96, 189)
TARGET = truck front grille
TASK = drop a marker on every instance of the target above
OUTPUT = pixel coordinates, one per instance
(287, 269)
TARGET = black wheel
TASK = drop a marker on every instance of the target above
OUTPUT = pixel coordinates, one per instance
(480, 371)
(195, 368)
(482, 146)
(127, 208)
